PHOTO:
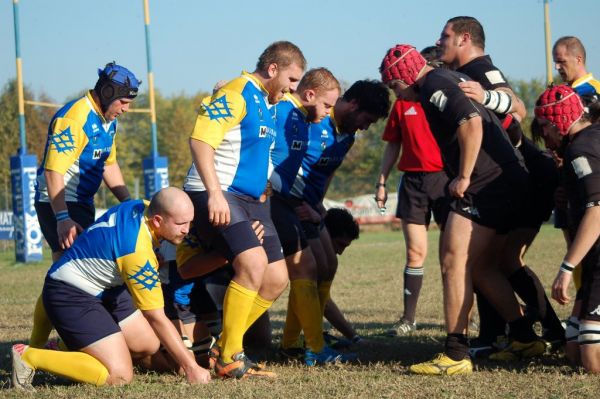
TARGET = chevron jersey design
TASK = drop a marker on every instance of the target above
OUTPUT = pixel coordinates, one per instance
(117, 250)
(80, 142)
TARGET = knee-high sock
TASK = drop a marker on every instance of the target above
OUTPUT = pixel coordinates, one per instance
(77, 366)
(292, 328)
(524, 285)
(324, 294)
(304, 299)
(260, 306)
(413, 280)
(42, 327)
(491, 324)
(236, 308)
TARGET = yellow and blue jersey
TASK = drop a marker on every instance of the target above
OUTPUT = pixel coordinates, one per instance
(327, 148)
(239, 124)
(189, 247)
(586, 86)
(117, 250)
(80, 142)
(290, 146)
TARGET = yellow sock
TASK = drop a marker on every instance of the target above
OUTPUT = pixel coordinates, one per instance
(77, 366)
(42, 327)
(260, 306)
(304, 298)
(324, 290)
(292, 328)
(236, 308)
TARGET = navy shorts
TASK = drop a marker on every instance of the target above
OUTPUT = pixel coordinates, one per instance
(208, 294)
(84, 214)
(289, 229)
(421, 194)
(238, 236)
(82, 319)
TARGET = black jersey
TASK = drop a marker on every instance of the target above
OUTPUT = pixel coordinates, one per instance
(582, 173)
(482, 70)
(446, 108)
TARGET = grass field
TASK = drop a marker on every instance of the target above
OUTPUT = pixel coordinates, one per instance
(368, 289)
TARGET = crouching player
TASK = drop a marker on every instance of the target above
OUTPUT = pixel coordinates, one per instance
(560, 113)
(91, 294)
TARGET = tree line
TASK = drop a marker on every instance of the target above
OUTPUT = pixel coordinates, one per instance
(176, 115)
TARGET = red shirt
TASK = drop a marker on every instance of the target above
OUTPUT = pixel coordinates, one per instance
(407, 124)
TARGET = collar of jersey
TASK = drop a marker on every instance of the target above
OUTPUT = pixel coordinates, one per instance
(255, 81)
(585, 78)
(333, 122)
(292, 98)
(97, 110)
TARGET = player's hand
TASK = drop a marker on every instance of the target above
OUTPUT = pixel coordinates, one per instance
(560, 288)
(306, 213)
(67, 230)
(458, 186)
(259, 230)
(218, 209)
(473, 90)
(381, 196)
(197, 375)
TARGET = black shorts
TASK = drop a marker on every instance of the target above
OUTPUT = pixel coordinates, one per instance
(238, 236)
(289, 228)
(209, 292)
(590, 288)
(421, 194)
(82, 319)
(497, 203)
(84, 214)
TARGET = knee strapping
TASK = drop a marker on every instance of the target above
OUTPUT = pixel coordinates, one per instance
(572, 330)
(589, 333)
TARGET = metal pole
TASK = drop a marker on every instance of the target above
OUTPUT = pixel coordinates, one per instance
(150, 80)
(22, 137)
(549, 60)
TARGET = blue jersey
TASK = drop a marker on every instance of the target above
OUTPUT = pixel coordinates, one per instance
(239, 124)
(117, 250)
(327, 148)
(80, 142)
(290, 146)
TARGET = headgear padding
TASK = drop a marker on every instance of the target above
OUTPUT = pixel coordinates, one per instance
(402, 62)
(561, 106)
(114, 82)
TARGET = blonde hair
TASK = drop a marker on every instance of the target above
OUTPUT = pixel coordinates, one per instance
(319, 80)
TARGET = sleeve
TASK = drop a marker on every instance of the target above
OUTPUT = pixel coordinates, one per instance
(189, 247)
(112, 158)
(139, 270)
(66, 143)
(492, 79)
(219, 113)
(454, 106)
(393, 130)
(586, 167)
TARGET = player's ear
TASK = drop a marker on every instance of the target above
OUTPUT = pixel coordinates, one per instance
(156, 221)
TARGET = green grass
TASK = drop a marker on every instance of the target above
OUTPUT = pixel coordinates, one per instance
(368, 289)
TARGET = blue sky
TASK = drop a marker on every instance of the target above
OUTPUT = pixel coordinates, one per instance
(197, 42)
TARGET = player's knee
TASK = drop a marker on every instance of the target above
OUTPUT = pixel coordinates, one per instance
(120, 376)
(415, 255)
(148, 347)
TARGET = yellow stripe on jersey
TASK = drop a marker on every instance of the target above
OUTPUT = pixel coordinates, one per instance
(221, 112)
(66, 144)
(139, 271)
(291, 98)
(112, 158)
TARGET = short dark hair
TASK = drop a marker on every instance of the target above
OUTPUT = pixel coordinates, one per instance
(470, 25)
(339, 222)
(282, 53)
(573, 46)
(371, 96)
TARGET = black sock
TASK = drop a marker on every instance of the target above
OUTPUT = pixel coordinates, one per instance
(457, 346)
(413, 280)
(491, 324)
(522, 330)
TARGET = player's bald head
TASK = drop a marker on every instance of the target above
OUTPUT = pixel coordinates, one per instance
(170, 201)
(572, 45)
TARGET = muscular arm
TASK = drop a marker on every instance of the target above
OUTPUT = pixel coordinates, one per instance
(470, 136)
(169, 337)
(390, 156)
(67, 229)
(113, 178)
(476, 92)
(203, 156)
(335, 316)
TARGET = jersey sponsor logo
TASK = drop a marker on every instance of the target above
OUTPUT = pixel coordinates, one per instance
(296, 145)
(581, 167)
(95, 128)
(97, 154)
(146, 277)
(63, 141)
(495, 77)
(264, 131)
(596, 311)
(324, 133)
(411, 111)
(439, 99)
(323, 161)
(218, 109)
(471, 210)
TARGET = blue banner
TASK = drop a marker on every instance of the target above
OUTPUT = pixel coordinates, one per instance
(7, 229)
(27, 233)
(156, 175)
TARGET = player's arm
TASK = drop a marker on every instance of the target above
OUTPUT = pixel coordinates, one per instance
(470, 136)
(500, 99)
(337, 319)
(390, 156)
(113, 178)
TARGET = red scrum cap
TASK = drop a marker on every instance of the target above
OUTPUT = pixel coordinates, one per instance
(561, 106)
(402, 62)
